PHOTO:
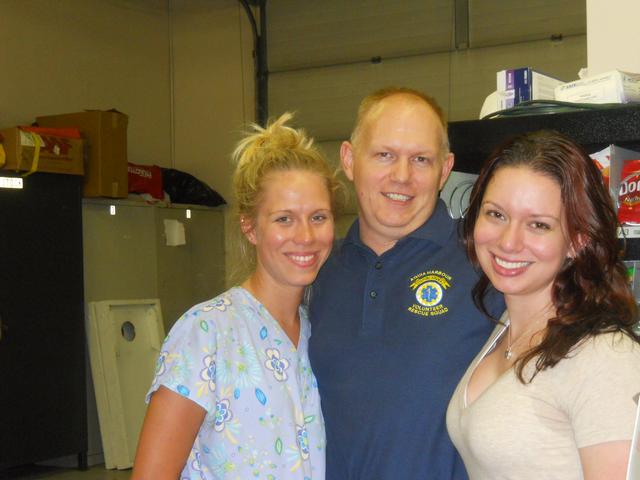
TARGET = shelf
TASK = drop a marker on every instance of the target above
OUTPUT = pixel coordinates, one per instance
(133, 202)
(629, 231)
(472, 141)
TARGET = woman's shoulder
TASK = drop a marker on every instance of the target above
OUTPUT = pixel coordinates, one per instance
(219, 303)
(218, 307)
(202, 320)
(606, 365)
(608, 343)
(605, 351)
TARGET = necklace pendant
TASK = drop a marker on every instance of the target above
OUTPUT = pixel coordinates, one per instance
(508, 354)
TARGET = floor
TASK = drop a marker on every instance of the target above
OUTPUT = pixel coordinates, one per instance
(53, 473)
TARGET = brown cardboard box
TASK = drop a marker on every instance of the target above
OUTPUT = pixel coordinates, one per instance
(106, 135)
(57, 154)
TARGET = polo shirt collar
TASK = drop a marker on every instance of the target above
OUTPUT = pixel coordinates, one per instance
(436, 229)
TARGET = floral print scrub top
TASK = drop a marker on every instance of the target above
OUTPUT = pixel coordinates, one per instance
(263, 421)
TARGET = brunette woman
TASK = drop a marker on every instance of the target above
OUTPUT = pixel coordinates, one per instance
(553, 393)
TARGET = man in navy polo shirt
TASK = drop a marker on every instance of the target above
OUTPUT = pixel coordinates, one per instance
(393, 322)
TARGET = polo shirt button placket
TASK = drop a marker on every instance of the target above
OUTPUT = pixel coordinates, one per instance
(373, 294)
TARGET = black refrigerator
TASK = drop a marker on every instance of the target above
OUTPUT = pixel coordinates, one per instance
(42, 342)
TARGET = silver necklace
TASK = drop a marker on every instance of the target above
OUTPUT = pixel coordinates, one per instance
(508, 353)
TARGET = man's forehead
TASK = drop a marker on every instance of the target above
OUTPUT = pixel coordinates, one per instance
(400, 115)
(399, 106)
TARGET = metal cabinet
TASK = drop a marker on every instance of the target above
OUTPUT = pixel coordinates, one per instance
(127, 258)
(42, 348)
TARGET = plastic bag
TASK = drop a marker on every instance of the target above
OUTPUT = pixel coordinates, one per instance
(185, 188)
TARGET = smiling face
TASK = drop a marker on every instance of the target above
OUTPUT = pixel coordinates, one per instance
(520, 234)
(292, 229)
(397, 168)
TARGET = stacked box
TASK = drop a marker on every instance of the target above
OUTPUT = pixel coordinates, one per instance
(106, 135)
(609, 87)
(43, 150)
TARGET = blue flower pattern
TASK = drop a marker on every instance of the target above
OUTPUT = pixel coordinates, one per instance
(276, 364)
(208, 373)
(232, 358)
(303, 441)
(223, 414)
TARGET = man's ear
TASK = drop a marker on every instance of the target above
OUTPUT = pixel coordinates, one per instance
(246, 226)
(447, 166)
(346, 159)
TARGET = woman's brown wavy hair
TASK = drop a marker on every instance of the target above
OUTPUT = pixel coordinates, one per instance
(591, 292)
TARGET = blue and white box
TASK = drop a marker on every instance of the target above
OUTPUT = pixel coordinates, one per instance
(516, 85)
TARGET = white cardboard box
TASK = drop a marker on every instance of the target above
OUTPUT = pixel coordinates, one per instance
(609, 87)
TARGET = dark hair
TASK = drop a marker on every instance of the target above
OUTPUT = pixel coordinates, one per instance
(590, 293)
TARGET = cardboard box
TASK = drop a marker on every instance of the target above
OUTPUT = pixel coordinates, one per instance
(609, 87)
(41, 150)
(106, 135)
(518, 85)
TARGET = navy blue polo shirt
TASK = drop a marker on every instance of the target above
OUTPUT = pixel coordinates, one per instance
(391, 337)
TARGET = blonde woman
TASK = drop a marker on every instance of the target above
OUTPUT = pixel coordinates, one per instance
(234, 395)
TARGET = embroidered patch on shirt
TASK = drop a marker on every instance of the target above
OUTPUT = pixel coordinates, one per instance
(430, 291)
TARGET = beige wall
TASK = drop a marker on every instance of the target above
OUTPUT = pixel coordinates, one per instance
(181, 69)
(214, 94)
(71, 55)
(213, 86)
(614, 37)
